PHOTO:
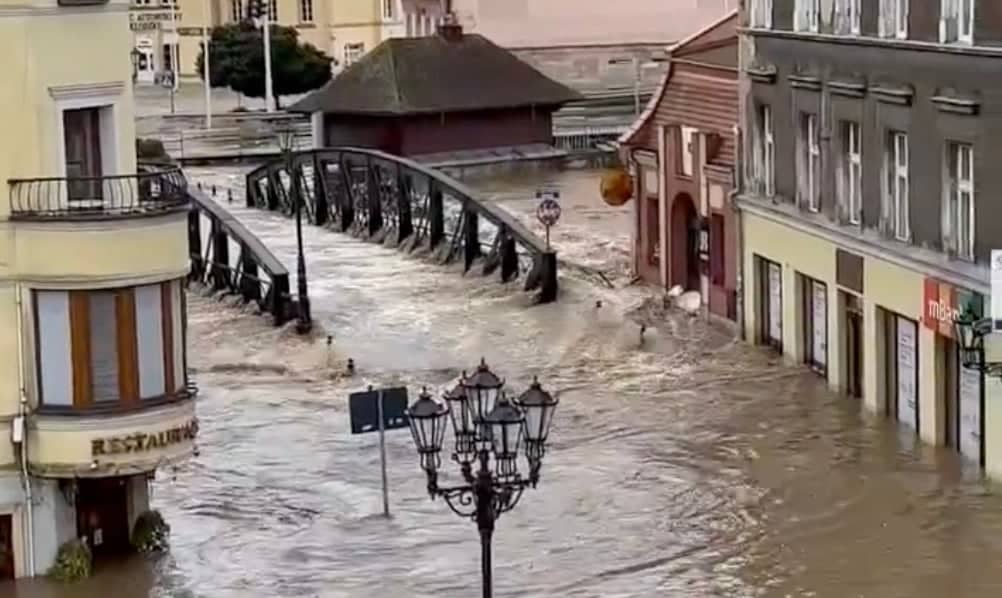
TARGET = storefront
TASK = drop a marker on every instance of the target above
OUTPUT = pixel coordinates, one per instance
(770, 317)
(961, 389)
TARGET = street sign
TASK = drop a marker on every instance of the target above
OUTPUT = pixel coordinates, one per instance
(548, 210)
(383, 409)
(363, 408)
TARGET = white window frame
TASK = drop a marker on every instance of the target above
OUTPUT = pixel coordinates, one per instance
(764, 147)
(389, 9)
(353, 52)
(956, 21)
(851, 175)
(273, 10)
(760, 15)
(305, 11)
(810, 161)
(688, 140)
(108, 97)
(848, 17)
(894, 18)
(807, 16)
(960, 198)
(897, 183)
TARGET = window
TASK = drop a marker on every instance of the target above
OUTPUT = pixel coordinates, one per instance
(389, 10)
(851, 173)
(770, 303)
(273, 10)
(809, 163)
(956, 21)
(894, 18)
(764, 159)
(305, 11)
(109, 349)
(847, 17)
(807, 15)
(237, 8)
(960, 199)
(761, 14)
(352, 52)
(896, 196)
(688, 135)
(814, 302)
(82, 145)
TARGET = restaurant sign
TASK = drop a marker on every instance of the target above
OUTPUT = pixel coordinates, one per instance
(142, 442)
(943, 303)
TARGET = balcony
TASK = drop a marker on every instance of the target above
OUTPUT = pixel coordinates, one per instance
(155, 191)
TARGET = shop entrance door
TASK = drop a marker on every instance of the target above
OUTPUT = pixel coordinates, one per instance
(6, 547)
(103, 515)
(853, 345)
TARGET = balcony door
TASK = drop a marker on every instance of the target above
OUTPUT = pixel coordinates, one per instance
(82, 139)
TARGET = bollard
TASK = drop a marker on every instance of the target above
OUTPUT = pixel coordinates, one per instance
(213, 190)
(229, 195)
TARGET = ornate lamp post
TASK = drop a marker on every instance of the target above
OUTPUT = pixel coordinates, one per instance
(489, 431)
(287, 142)
(971, 333)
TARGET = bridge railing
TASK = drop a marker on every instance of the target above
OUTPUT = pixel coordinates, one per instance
(226, 256)
(397, 201)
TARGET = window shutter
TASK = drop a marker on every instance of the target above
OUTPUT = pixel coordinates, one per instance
(55, 357)
(103, 340)
(150, 341)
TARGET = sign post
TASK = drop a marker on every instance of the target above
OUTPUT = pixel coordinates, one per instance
(382, 453)
(379, 410)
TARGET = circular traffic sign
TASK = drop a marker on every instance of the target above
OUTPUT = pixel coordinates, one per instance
(548, 211)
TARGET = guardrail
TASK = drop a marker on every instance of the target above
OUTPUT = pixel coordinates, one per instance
(255, 274)
(145, 193)
(393, 200)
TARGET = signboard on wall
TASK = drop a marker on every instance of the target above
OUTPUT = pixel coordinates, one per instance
(943, 303)
(775, 303)
(907, 372)
(970, 413)
(819, 324)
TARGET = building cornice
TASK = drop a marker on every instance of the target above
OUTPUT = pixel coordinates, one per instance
(888, 43)
(53, 10)
(77, 282)
(870, 245)
(87, 90)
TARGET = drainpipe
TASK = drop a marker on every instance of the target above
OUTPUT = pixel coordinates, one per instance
(739, 300)
(23, 413)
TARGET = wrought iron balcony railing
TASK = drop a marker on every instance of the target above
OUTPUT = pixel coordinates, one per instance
(153, 191)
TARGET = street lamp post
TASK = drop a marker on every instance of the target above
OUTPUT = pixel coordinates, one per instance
(489, 430)
(971, 332)
(287, 141)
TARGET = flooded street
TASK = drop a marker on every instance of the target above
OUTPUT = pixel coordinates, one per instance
(691, 466)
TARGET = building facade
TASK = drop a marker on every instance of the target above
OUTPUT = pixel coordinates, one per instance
(165, 32)
(866, 205)
(682, 150)
(94, 395)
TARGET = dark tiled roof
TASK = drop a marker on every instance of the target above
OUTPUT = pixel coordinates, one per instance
(432, 74)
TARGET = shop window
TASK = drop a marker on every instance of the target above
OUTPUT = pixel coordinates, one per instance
(770, 291)
(109, 349)
(815, 309)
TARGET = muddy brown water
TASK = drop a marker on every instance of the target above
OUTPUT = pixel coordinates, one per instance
(692, 466)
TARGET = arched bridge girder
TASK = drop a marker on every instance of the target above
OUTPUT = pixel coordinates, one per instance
(393, 200)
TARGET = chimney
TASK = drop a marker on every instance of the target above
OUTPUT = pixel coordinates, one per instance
(449, 29)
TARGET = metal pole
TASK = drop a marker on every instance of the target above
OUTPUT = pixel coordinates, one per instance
(269, 97)
(175, 50)
(636, 86)
(205, 64)
(382, 455)
(303, 324)
(484, 489)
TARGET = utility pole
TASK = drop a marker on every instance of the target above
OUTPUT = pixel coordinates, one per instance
(269, 97)
(205, 64)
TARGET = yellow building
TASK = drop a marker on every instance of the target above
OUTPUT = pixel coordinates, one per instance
(343, 29)
(94, 394)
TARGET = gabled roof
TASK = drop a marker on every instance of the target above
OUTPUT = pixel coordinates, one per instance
(720, 32)
(434, 74)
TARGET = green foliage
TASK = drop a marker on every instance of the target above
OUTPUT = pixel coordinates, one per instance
(237, 61)
(151, 532)
(151, 150)
(73, 562)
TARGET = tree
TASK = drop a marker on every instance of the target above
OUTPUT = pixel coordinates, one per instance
(237, 61)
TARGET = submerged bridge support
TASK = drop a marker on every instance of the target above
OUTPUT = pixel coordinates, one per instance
(396, 201)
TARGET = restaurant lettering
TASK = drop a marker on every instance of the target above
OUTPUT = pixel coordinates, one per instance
(142, 442)
(148, 21)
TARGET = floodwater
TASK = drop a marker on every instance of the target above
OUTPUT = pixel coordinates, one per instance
(690, 466)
